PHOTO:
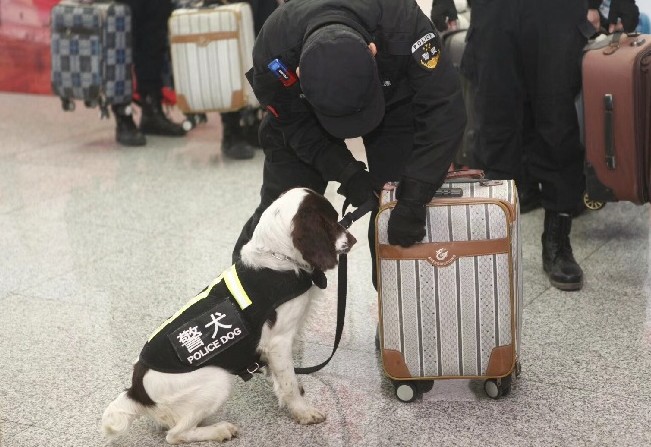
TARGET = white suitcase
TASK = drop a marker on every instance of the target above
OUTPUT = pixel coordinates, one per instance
(211, 51)
(450, 306)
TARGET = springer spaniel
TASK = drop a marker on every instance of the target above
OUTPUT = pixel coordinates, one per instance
(247, 318)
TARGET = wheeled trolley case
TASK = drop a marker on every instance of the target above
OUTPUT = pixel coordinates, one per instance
(91, 54)
(450, 306)
(617, 119)
(211, 49)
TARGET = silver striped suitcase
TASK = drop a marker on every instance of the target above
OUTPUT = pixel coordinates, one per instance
(450, 306)
(211, 50)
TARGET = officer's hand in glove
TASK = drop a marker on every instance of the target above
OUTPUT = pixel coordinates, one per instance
(444, 15)
(407, 221)
(356, 184)
(627, 11)
(406, 224)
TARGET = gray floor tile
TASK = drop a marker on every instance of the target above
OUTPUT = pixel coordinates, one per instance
(99, 244)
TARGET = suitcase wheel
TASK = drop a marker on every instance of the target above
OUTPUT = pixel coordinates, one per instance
(593, 205)
(188, 124)
(406, 391)
(67, 105)
(193, 119)
(496, 388)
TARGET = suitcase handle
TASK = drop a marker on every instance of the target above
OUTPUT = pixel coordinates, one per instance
(609, 134)
(465, 173)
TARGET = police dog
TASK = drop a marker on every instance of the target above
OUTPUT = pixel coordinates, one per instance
(295, 241)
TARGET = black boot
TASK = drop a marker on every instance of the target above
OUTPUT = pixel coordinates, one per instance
(155, 122)
(558, 261)
(234, 145)
(126, 132)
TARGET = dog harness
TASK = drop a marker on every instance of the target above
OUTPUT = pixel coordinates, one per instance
(222, 325)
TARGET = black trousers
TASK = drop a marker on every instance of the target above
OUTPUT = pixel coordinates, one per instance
(524, 57)
(149, 42)
(387, 149)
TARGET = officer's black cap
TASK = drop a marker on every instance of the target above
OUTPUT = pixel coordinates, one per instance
(340, 80)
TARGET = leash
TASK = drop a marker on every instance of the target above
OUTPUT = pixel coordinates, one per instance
(342, 286)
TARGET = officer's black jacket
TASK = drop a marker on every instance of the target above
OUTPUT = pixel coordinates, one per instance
(267, 290)
(395, 26)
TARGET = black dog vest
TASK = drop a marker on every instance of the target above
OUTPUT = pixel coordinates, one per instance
(221, 326)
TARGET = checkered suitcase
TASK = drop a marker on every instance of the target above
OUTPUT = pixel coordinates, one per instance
(91, 53)
(450, 306)
(211, 51)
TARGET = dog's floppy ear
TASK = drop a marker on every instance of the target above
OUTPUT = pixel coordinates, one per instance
(312, 234)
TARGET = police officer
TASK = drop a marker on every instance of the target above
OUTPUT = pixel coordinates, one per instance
(327, 70)
(524, 57)
(149, 40)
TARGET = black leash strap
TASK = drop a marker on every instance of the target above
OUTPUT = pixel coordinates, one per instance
(342, 286)
(341, 314)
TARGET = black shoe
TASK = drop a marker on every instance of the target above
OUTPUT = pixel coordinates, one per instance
(126, 132)
(235, 147)
(558, 260)
(250, 119)
(155, 122)
(530, 198)
(234, 144)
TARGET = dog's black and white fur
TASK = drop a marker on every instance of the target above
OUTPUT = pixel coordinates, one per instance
(299, 231)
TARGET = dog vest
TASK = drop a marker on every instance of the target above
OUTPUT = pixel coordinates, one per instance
(222, 325)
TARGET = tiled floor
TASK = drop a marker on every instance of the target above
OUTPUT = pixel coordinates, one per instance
(98, 244)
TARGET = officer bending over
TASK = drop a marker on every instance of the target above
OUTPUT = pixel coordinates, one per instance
(327, 70)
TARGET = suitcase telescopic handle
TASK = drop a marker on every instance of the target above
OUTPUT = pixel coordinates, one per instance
(609, 134)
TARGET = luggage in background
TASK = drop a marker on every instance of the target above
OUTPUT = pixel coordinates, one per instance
(211, 51)
(617, 113)
(450, 307)
(91, 54)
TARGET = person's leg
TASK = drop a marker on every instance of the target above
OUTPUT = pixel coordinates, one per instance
(149, 25)
(126, 131)
(495, 70)
(282, 171)
(529, 187)
(556, 158)
(234, 144)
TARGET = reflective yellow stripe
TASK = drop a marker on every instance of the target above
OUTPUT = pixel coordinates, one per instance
(199, 297)
(235, 287)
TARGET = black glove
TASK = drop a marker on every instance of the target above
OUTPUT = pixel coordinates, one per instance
(407, 221)
(356, 184)
(442, 12)
(626, 10)
(406, 224)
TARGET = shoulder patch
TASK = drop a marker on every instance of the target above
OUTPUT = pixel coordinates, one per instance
(426, 51)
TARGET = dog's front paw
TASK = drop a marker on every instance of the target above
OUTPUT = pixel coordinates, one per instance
(225, 432)
(308, 415)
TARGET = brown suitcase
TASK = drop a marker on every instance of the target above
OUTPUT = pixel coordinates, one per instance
(617, 103)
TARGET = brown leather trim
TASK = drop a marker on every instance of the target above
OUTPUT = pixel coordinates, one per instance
(464, 173)
(394, 364)
(441, 254)
(237, 100)
(203, 38)
(501, 361)
(182, 103)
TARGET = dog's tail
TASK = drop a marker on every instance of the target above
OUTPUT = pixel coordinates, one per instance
(119, 415)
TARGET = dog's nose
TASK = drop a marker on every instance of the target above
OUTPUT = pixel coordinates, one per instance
(351, 239)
